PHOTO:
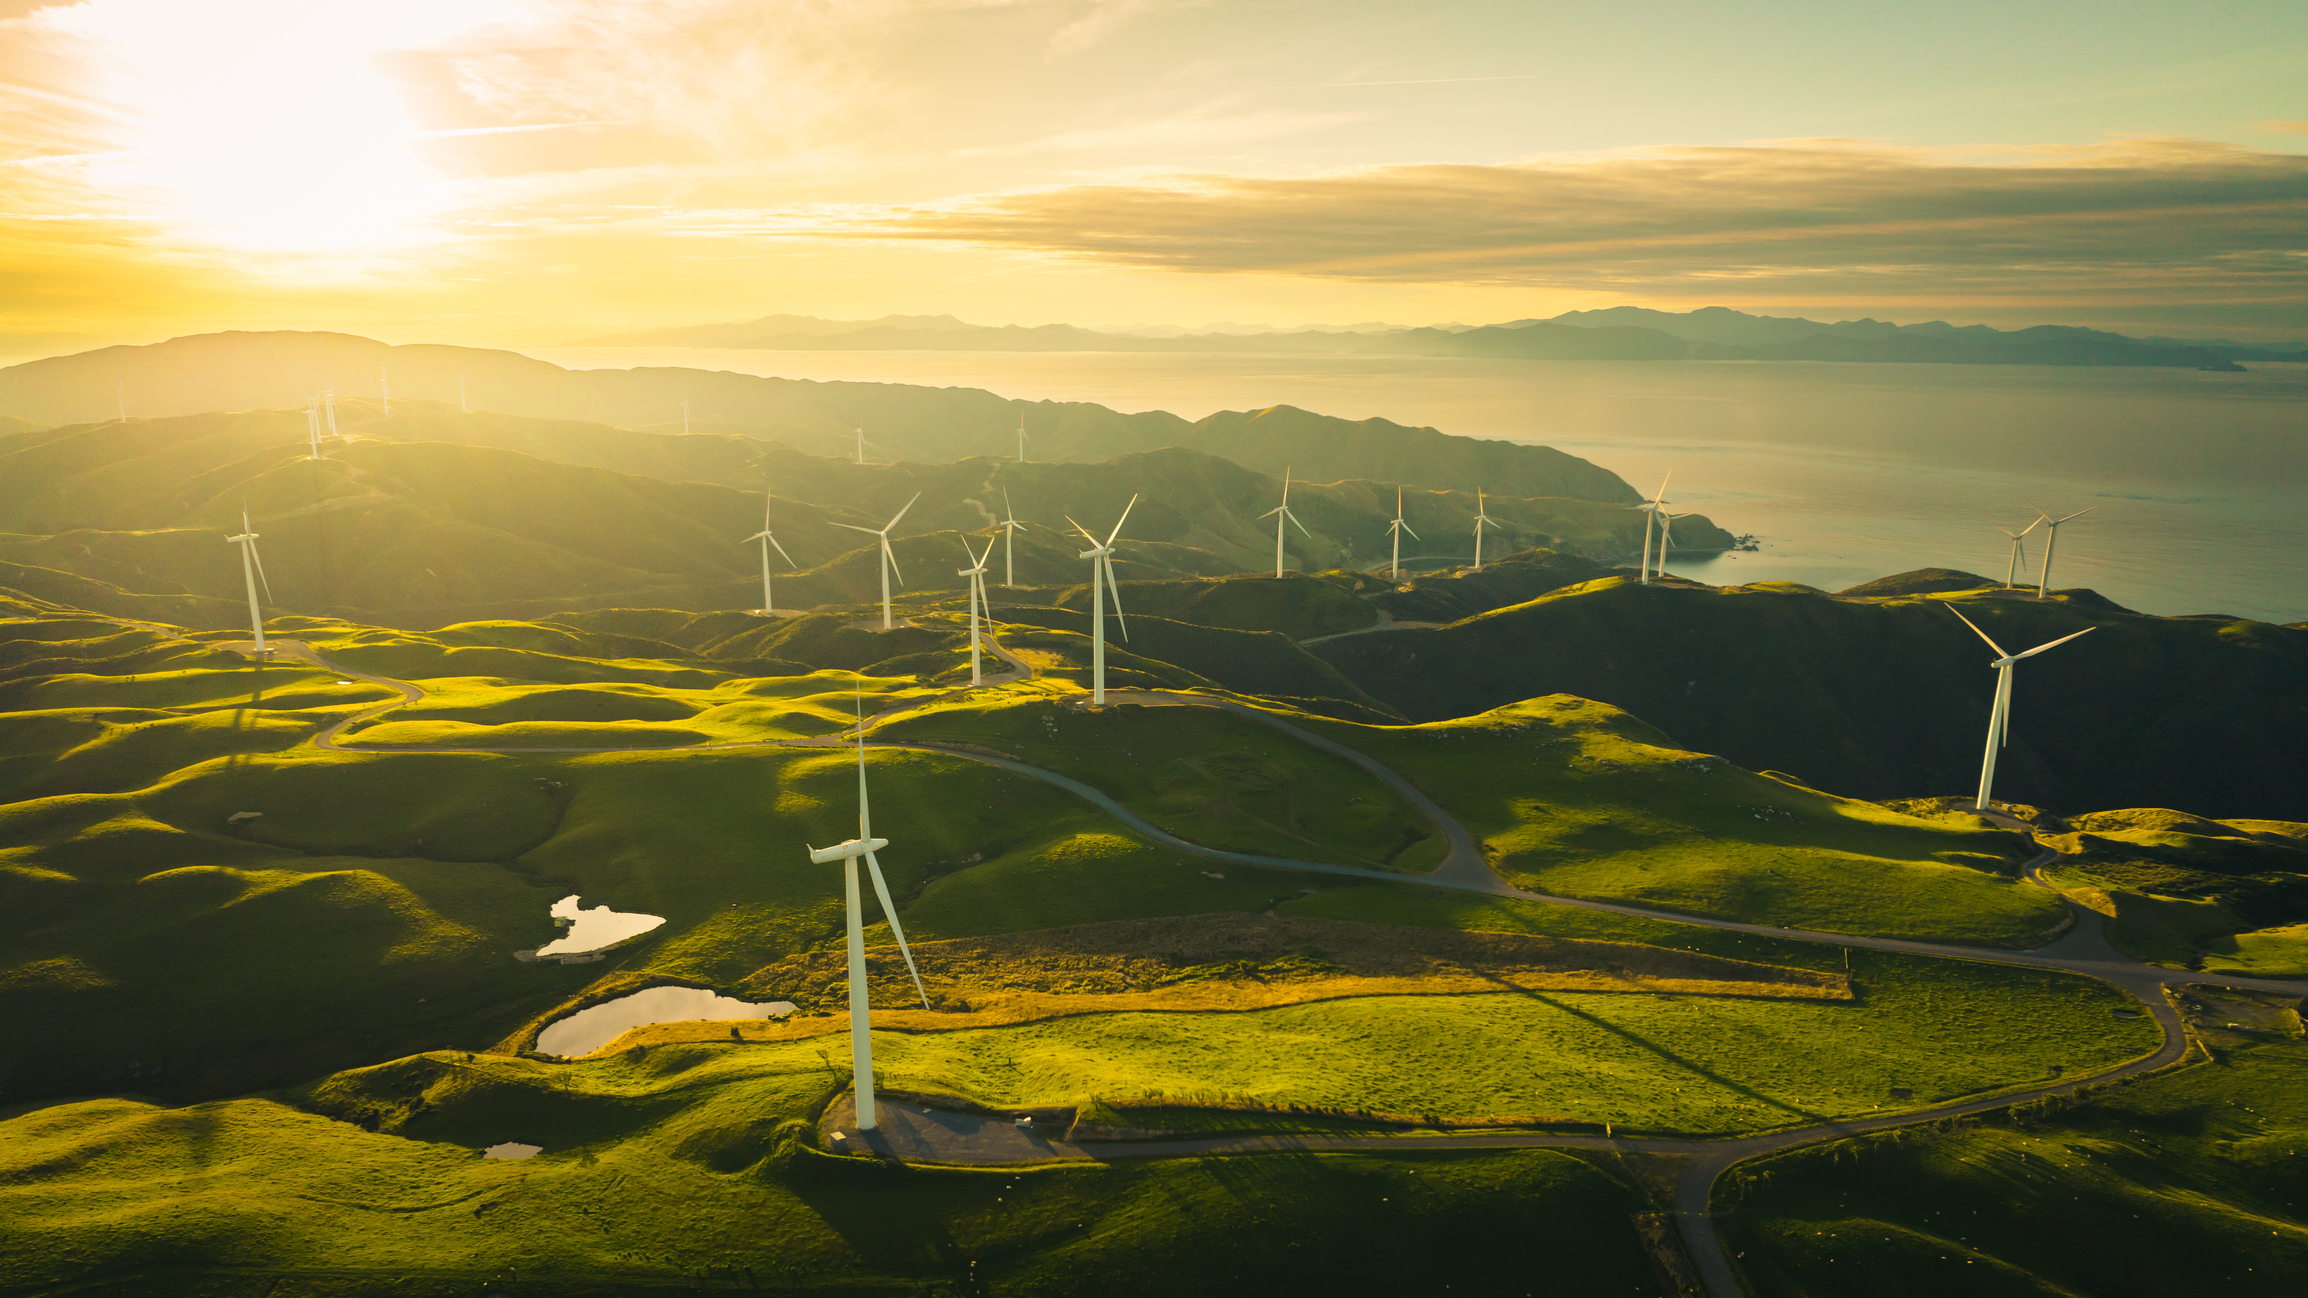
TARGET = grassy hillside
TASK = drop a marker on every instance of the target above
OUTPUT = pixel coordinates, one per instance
(1889, 697)
(677, 1173)
(2200, 894)
(2188, 1182)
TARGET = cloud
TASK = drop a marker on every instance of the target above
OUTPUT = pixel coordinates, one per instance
(2284, 128)
(1824, 216)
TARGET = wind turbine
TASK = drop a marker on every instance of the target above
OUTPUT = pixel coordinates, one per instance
(763, 536)
(1999, 716)
(313, 424)
(861, 445)
(1021, 437)
(2044, 578)
(1101, 559)
(1396, 529)
(1651, 510)
(252, 569)
(861, 1046)
(385, 386)
(889, 560)
(1280, 514)
(1482, 519)
(1010, 527)
(329, 407)
(2018, 550)
(1666, 536)
(976, 572)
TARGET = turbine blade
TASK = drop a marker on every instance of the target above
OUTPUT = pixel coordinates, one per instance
(1413, 535)
(258, 559)
(1272, 512)
(1300, 526)
(765, 499)
(1086, 534)
(1123, 519)
(1107, 563)
(897, 930)
(902, 513)
(1982, 634)
(2056, 643)
(2078, 514)
(781, 552)
(892, 556)
(855, 528)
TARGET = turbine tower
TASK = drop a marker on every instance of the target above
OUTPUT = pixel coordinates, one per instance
(1651, 510)
(1101, 559)
(763, 536)
(861, 445)
(329, 407)
(1666, 537)
(252, 569)
(2018, 550)
(1395, 529)
(1010, 528)
(889, 560)
(2051, 539)
(313, 424)
(976, 572)
(1999, 716)
(1281, 515)
(1482, 520)
(861, 1047)
(1021, 437)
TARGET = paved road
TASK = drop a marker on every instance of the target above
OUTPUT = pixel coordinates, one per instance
(2082, 948)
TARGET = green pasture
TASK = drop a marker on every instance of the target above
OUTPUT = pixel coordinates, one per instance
(690, 1170)
(1207, 776)
(492, 712)
(1577, 798)
(2195, 1181)
(2195, 893)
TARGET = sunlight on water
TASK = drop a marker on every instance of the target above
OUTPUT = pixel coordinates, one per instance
(588, 1030)
(591, 930)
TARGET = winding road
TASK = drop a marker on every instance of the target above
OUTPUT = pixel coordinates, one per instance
(2081, 948)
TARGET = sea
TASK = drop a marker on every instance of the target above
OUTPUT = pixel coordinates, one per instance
(2194, 482)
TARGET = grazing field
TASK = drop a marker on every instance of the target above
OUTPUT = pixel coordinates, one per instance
(1207, 776)
(2195, 1181)
(493, 712)
(1578, 798)
(691, 1168)
(2181, 890)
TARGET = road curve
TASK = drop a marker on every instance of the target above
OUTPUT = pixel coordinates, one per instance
(2082, 948)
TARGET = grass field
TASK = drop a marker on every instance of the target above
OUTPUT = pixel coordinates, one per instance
(1207, 776)
(497, 713)
(685, 1169)
(1580, 799)
(2192, 1182)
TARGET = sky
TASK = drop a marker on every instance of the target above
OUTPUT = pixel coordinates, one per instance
(531, 172)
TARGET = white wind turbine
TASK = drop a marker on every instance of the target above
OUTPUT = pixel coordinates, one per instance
(1101, 559)
(1395, 529)
(2018, 550)
(889, 560)
(1281, 515)
(1651, 510)
(329, 408)
(861, 445)
(976, 572)
(2044, 578)
(861, 1046)
(1666, 539)
(1021, 437)
(1482, 520)
(1010, 528)
(1999, 716)
(763, 536)
(252, 569)
(313, 425)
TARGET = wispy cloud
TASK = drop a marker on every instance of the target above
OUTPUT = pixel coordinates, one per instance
(2173, 215)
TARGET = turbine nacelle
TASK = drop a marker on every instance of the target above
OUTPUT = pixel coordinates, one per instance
(848, 851)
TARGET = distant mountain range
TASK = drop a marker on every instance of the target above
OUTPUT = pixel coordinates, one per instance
(1616, 333)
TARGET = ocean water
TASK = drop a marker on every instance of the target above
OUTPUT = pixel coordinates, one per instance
(1843, 472)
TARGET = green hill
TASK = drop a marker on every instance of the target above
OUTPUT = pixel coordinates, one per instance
(1889, 697)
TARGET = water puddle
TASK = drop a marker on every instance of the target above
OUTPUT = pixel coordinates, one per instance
(591, 930)
(588, 1030)
(512, 1149)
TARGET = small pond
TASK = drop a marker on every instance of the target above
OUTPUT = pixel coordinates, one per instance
(591, 930)
(588, 1030)
(512, 1149)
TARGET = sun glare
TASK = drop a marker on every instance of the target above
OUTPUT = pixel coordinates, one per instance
(265, 127)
